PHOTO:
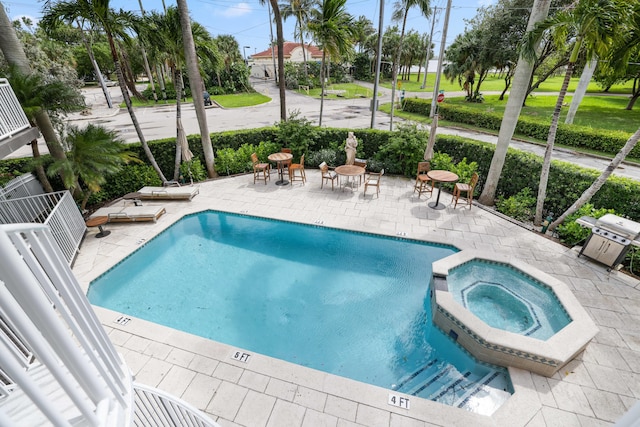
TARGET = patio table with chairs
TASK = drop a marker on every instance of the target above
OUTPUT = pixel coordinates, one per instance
(350, 171)
(280, 158)
(440, 176)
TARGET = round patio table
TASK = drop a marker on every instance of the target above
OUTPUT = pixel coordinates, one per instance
(279, 158)
(349, 171)
(440, 176)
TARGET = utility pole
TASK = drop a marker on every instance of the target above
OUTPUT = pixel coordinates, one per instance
(426, 61)
(436, 87)
(374, 101)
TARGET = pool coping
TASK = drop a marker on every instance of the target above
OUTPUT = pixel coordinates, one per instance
(517, 410)
(505, 348)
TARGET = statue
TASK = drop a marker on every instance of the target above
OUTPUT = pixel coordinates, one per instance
(350, 147)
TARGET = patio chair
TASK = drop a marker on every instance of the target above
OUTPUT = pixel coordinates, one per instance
(286, 163)
(170, 193)
(130, 213)
(423, 184)
(362, 163)
(327, 175)
(373, 181)
(466, 188)
(260, 168)
(297, 167)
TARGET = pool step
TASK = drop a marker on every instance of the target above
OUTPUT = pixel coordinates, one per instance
(428, 379)
(489, 393)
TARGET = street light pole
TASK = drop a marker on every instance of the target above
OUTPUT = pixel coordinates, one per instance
(376, 82)
(426, 60)
(244, 52)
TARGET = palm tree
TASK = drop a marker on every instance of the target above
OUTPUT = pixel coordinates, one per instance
(277, 17)
(598, 183)
(195, 81)
(302, 11)
(400, 13)
(518, 93)
(166, 31)
(591, 24)
(93, 153)
(35, 96)
(99, 13)
(332, 29)
(15, 56)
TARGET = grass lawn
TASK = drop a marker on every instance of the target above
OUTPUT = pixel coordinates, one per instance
(598, 112)
(350, 91)
(237, 100)
(494, 83)
(227, 101)
(603, 112)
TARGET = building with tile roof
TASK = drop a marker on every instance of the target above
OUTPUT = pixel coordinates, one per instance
(263, 63)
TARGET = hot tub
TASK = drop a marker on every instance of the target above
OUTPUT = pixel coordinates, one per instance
(508, 313)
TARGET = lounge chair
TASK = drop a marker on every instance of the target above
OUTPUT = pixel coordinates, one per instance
(130, 213)
(171, 193)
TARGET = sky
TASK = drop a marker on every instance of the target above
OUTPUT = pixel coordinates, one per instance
(248, 20)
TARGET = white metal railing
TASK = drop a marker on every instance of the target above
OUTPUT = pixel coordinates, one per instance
(22, 186)
(12, 117)
(57, 210)
(80, 378)
(154, 407)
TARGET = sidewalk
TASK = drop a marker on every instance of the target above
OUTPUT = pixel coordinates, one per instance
(159, 121)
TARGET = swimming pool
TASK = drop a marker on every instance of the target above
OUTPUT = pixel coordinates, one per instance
(351, 304)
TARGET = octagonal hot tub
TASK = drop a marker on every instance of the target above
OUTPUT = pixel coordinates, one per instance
(508, 313)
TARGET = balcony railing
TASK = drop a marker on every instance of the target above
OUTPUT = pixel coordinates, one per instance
(57, 210)
(12, 117)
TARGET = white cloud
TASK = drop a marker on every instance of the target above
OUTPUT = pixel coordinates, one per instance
(482, 3)
(239, 9)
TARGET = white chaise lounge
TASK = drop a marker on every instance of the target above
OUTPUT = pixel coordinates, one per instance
(130, 213)
(172, 193)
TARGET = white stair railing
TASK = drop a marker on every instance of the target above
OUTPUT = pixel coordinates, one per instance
(159, 409)
(78, 378)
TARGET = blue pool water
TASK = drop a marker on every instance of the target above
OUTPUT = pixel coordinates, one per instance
(505, 298)
(352, 304)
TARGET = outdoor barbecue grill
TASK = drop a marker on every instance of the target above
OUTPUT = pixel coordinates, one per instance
(610, 239)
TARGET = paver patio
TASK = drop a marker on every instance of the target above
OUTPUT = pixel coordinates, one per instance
(593, 390)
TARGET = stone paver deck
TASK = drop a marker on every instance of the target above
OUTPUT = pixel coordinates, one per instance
(593, 390)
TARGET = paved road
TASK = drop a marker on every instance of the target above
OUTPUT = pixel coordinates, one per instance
(159, 121)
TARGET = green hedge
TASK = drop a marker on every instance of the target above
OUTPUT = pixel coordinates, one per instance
(398, 152)
(604, 141)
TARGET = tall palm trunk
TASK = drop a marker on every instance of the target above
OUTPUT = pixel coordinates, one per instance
(324, 55)
(304, 54)
(195, 80)
(177, 83)
(96, 67)
(598, 183)
(581, 90)
(551, 138)
(42, 176)
(396, 65)
(132, 114)
(280, 40)
(521, 78)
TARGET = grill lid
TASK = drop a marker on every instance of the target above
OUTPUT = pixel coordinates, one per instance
(619, 225)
